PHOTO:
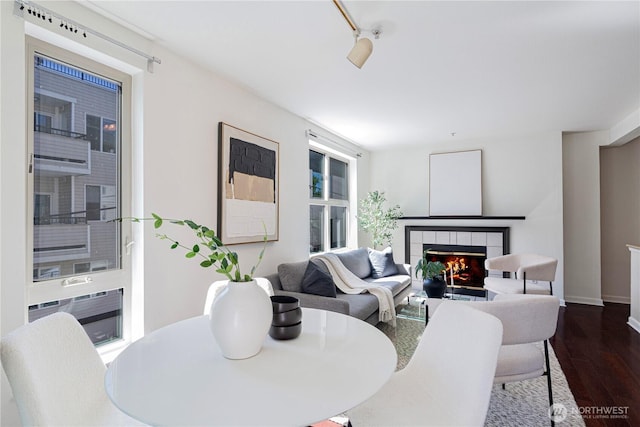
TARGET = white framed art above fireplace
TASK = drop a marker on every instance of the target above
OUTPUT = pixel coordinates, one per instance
(455, 183)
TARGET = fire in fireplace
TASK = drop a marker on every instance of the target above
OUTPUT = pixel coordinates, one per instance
(465, 271)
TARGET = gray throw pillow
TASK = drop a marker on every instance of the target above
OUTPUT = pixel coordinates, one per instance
(356, 261)
(382, 263)
(291, 275)
(317, 282)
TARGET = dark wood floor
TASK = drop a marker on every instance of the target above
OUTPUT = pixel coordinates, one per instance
(600, 356)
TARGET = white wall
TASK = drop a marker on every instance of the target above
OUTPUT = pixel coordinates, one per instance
(620, 217)
(183, 105)
(176, 113)
(521, 176)
(581, 169)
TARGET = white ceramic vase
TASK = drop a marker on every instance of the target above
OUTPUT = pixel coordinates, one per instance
(240, 318)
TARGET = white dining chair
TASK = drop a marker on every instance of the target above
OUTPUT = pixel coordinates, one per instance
(526, 321)
(529, 270)
(449, 378)
(57, 376)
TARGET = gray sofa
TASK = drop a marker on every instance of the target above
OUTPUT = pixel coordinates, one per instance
(288, 281)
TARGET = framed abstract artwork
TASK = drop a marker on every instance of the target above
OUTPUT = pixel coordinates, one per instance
(455, 183)
(247, 186)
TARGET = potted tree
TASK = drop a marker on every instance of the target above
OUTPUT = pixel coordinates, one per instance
(432, 273)
(374, 219)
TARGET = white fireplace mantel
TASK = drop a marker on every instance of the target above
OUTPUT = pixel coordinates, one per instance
(634, 317)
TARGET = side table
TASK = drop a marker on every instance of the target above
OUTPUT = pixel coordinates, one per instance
(424, 304)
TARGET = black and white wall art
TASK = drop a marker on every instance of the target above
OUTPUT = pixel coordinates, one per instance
(248, 186)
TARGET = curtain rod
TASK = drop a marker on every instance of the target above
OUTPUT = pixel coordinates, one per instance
(44, 14)
(336, 145)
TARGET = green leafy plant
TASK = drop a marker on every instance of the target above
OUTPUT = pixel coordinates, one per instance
(220, 257)
(375, 219)
(429, 269)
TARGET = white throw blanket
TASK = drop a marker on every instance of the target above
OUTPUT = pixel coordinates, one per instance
(349, 283)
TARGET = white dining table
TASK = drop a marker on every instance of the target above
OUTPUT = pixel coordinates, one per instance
(177, 376)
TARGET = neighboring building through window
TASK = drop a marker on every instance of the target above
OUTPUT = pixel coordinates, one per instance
(101, 132)
(79, 180)
(329, 205)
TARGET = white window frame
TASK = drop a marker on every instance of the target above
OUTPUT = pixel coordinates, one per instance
(350, 204)
(90, 283)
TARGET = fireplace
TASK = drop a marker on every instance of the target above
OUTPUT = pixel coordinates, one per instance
(462, 248)
(464, 265)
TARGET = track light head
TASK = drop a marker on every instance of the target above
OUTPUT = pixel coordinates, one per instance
(360, 52)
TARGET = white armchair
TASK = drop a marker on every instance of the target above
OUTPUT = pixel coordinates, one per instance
(56, 375)
(422, 394)
(529, 269)
(526, 320)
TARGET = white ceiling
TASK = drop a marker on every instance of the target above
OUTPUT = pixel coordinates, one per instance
(479, 69)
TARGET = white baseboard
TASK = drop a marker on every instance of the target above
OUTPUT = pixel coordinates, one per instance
(635, 324)
(616, 299)
(583, 300)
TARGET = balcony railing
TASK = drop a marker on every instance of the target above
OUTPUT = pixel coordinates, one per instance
(61, 153)
(61, 132)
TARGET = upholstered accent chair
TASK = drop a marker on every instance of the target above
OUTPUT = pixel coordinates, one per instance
(56, 375)
(422, 393)
(529, 269)
(526, 320)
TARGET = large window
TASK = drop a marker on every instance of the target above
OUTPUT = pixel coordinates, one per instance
(329, 201)
(80, 180)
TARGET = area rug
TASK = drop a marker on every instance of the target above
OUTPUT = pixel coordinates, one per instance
(521, 404)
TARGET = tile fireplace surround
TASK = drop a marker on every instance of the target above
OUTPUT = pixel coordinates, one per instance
(494, 239)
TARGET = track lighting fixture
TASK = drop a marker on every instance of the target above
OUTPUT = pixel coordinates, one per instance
(363, 46)
(361, 51)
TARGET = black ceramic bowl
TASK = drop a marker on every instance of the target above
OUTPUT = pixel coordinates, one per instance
(282, 303)
(285, 318)
(285, 332)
